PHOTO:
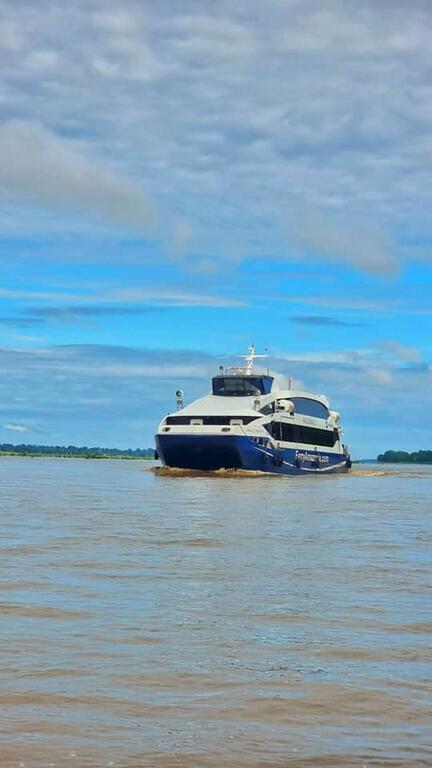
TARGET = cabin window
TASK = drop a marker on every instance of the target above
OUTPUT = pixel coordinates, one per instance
(308, 407)
(313, 436)
(178, 420)
(209, 420)
(296, 433)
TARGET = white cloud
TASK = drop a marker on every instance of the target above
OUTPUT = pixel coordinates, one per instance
(343, 238)
(157, 296)
(15, 427)
(173, 298)
(10, 38)
(402, 352)
(336, 302)
(11, 293)
(38, 166)
(379, 376)
(232, 118)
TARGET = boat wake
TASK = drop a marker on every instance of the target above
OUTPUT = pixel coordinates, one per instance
(354, 472)
(370, 472)
(387, 473)
(181, 472)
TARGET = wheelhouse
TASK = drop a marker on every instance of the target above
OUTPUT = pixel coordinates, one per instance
(241, 386)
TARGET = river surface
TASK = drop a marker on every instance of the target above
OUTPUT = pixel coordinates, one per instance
(214, 622)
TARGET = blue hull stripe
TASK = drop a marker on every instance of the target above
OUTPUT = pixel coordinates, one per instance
(329, 467)
(212, 452)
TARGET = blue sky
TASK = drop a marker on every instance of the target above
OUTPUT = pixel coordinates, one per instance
(178, 180)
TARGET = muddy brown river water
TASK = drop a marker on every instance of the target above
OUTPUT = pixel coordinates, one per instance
(214, 622)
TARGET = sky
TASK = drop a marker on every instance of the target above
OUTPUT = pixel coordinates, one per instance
(181, 179)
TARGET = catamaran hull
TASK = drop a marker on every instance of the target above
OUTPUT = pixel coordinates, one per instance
(213, 452)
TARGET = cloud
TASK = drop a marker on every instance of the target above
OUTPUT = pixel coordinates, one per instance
(321, 320)
(20, 322)
(176, 298)
(343, 238)
(15, 427)
(40, 167)
(333, 302)
(339, 357)
(79, 312)
(153, 297)
(94, 360)
(379, 376)
(71, 313)
(402, 352)
(10, 293)
(298, 130)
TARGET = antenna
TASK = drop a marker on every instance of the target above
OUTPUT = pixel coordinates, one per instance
(249, 360)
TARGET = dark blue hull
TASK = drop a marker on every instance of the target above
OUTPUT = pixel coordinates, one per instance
(213, 452)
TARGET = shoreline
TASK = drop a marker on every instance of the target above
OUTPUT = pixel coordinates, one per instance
(11, 454)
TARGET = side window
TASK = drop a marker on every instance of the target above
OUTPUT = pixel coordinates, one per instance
(266, 410)
(274, 429)
(295, 433)
(308, 407)
(289, 433)
(313, 436)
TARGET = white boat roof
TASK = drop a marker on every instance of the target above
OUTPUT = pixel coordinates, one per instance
(215, 405)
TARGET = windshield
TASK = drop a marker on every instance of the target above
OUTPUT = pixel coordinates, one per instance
(237, 386)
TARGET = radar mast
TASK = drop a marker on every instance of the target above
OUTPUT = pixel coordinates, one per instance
(247, 369)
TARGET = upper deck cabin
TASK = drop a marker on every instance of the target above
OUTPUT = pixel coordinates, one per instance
(241, 385)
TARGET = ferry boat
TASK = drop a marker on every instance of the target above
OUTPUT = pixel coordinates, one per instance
(247, 422)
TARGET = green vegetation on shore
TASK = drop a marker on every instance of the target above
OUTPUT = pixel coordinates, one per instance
(74, 452)
(403, 457)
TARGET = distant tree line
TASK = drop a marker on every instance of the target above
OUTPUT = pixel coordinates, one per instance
(72, 451)
(397, 457)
